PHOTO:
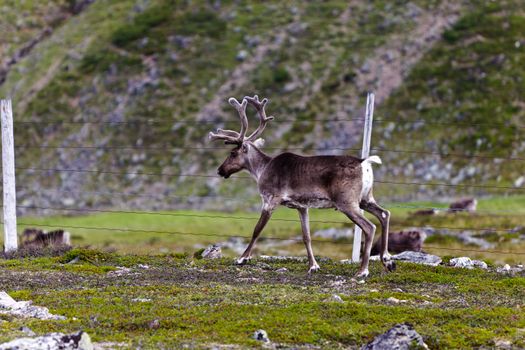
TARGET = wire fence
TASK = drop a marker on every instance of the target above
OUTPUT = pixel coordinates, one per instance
(220, 148)
(150, 121)
(96, 171)
(233, 217)
(492, 212)
(495, 213)
(220, 235)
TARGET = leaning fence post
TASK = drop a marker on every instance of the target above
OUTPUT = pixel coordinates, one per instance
(8, 176)
(365, 152)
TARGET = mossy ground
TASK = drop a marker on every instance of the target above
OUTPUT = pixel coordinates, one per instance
(203, 303)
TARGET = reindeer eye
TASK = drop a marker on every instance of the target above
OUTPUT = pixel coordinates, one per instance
(233, 154)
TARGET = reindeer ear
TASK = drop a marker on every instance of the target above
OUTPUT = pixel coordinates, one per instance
(259, 143)
(244, 148)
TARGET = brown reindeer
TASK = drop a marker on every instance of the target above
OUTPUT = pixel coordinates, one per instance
(398, 242)
(36, 238)
(468, 205)
(340, 182)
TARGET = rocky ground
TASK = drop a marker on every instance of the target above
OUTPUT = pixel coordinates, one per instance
(166, 301)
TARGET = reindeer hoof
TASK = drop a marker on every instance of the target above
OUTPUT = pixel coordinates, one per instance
(313, 269)
(361, 274)
(242, 261)
(390, 265)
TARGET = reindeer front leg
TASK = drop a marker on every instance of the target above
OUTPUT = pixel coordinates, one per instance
(305, 226)
(266, 214)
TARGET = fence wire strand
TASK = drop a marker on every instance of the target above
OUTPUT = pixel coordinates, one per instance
(233, 217)
(508, 188)
(115, 229)
(203, 148)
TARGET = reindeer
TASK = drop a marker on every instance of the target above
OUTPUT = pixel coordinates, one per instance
(36, 238)
(398, 242)
(298, 182)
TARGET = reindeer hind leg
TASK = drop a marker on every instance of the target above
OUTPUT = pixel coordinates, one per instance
(383, 216)
(354, 214)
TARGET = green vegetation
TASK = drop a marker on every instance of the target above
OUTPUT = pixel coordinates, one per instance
(472, 79)
(187, 231)
(201, 302)
(141, 25)
(162, 60)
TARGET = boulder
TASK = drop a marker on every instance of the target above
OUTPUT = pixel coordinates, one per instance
(399, 337)
(236, 244)
(79, 340)
(25, 308)
(507, 269)
(212, 252)
(418, 258)
(334, 233)
(261, 335)
(466, 262)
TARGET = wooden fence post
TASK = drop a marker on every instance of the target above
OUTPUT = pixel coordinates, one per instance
(365, 152)
(8, 176)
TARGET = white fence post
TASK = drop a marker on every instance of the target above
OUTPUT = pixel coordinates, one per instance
(365, 152)
(8, 173)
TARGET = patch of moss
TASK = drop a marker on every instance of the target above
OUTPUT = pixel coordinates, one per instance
(202, 22)
(141, 25)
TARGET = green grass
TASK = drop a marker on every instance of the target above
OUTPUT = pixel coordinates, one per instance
(186, 231)
(200, 303)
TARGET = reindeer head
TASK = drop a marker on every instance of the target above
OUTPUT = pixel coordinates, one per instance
(239, 156)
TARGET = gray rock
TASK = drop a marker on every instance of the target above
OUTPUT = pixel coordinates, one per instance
(418, 258)
(80, 340)
(24, 309)
(261, 335)
(466, 262)
(393, 300)
(28, 331)
(334, 298)
(480, 264)
(235, 244)
(463, 262)
(212, 252)
(399, 337)
(507, 269)
(334, 233)
(466, 238)
(241, 55)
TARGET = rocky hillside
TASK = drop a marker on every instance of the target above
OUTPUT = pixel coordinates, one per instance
(122, 94)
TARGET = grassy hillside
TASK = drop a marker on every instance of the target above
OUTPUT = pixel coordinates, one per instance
(464, 97)
(141, 83)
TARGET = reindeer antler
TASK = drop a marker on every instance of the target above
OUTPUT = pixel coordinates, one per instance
(231, 136)
(259, 106)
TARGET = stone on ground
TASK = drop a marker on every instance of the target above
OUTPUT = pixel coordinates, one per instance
(25, 308)
(399, 337)
(418, 258)
(261, 335)
(466, 262)
(52, 341)
(212, 252)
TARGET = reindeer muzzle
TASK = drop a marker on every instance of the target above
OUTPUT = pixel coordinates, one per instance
(222, 173)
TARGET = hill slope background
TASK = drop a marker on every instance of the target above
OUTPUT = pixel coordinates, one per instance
(113, 90)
